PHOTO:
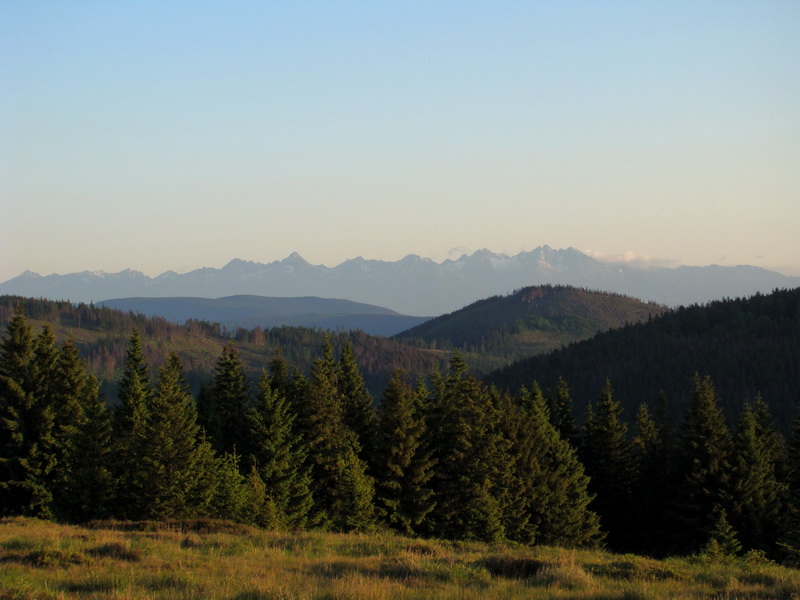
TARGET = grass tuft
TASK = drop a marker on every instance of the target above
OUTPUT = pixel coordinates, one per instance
(116, 551)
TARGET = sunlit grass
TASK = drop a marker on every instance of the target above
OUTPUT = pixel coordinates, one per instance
(42, 560)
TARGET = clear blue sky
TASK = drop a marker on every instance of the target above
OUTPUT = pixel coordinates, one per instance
(175, 135)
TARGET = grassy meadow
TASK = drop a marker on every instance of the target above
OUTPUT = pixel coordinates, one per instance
(39, 560)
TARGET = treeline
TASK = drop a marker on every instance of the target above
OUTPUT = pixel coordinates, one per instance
(101, 334)
(445, 457)
(748, 346)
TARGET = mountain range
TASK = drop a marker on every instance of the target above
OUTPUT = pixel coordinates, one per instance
(413, 285)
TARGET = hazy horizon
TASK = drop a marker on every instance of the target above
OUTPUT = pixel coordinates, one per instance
(177, 136)
(628, 259)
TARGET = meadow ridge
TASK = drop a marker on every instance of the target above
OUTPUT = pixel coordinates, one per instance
(223, 560)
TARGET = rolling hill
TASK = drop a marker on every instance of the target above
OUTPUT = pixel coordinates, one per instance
(102, 333)
(501, 329)
(249, 312)
(748, 346)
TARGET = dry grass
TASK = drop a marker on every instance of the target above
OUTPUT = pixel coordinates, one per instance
(41, 560)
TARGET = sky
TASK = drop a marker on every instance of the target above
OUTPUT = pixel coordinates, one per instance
(176, 135)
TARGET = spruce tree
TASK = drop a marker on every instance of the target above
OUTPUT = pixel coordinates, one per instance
(225, 402)
(231, 494)
(561, 412)
(758, 497)
(279, 456)
(654, 483)
(178, 463)
(402, 461)
(789, 540)
(29, 449)
(606, 454)
(130, 432)
(259, 507)
(359, 413)
(556, 487)
(83, 484)
(524, 470)
(339, 485)
(722, 541)
(705, 467)
(470, 451)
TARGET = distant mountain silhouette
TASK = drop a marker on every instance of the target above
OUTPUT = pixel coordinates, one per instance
(412, 285)
(249, 312)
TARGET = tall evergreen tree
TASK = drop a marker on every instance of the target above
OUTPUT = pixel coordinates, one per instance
(341, 490)
(231, 494)
(359, 413)
(226, 401)
(38, 420)
(561, 412)
(706, 449)
(26, 423)
(654, 482)
(758, 497)
(83, 486)
(279, 456)
(403, 462)
(130, 432)
(606, 454)
(789, 540)
(177, 462)
(470, 451)
(556, 487)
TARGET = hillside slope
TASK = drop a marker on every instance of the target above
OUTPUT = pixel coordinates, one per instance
(102, 334)
(534, 320)
(249, 312)
(747, 346)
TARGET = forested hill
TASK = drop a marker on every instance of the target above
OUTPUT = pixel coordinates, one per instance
(747, 346)
(101, 334)
(534, 320)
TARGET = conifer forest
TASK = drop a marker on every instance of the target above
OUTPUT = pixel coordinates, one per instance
(441, 454)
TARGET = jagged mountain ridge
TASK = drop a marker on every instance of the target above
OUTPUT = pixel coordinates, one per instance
(413, 285)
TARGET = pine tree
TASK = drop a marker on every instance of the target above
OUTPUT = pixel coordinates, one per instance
(339, 485)
(402, 462)
(705, 467)
(83, 484)
(470, 450)
(356, 496)
(606, 454)
(279, 456)
(654, 482)
(556, 487)
(130, 432)
(722, 541)
(225, 402)
(231, 495)
(30, 444)
(789, 540)
(259, 508)
(758, 497)
(177, 462)
(561, 412)
(359, 414)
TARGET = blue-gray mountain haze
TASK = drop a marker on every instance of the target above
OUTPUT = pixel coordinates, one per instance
(413, 285)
